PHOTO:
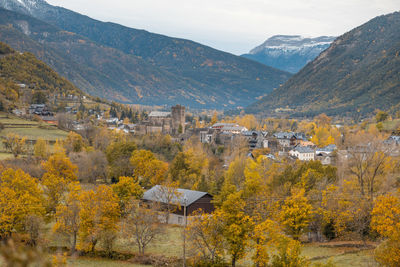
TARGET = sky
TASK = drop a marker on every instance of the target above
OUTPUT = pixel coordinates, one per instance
(235, 26)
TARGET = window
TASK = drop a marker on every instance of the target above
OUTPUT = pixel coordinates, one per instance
(180, 220)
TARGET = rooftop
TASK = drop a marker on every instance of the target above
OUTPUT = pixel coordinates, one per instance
(155, 194)
(304, 149)
(160, 114)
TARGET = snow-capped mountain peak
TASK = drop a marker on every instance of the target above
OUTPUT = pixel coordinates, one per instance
(28, 7)
(293, 42)
(289, 52)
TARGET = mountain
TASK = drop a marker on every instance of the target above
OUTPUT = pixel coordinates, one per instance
(135, 66)
(289, 52)
(357, 74)
(22, 74)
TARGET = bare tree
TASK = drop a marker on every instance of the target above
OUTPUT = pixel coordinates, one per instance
(142, 226)
(168, 196)
(65, 121)
(369, 162)
(92, 166)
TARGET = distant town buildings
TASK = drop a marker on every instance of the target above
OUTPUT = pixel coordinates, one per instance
(164, 122)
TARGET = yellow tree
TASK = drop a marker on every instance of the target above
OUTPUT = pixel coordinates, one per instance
(20, 197)
(74, 142)
(205, 236)
(322, 137)
(289, 254)
(67, 215)
(60, 165)
(386, 221)
(265, 234)
(15, 144)
(296, 213)
(237, 226)
(99, 217)
(41, 149)
(127, 189)
(148, 170)
(60, 172)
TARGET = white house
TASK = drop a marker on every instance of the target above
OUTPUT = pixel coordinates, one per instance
(303, 153)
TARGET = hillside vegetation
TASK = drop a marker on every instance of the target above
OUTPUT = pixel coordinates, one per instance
(356, 75)
(24, 68)
(135, 66)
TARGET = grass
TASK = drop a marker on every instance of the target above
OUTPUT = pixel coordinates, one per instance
(93, 262)
(50, 133)
(391, 125)
(4, 156)
(359, 259)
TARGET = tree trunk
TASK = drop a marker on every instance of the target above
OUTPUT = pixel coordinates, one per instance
(73, 247)
(233, 261)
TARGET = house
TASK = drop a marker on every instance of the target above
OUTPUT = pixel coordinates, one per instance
(232, 128)
(39, 109)
(166, 122)
(50, 119)
(193, 200)
(325, 159)
(256, 139)
(393, 140)
(327, 150)
(287, 139)
(206, 136)
(303, 153)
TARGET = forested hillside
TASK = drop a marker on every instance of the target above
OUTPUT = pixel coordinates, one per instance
(135, 66)
(358, 74)
(23, 71)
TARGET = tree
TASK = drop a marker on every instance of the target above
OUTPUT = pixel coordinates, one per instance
(148, 170)
(98, 217)
(381, 116)
(15, 144)
(41, 149)
(74, 143)
(67, 215)
(322, 137)
(118, 154)
(39, 97)
(190, 167)
(92, 166)
(126, 190)
(289, 254)
(214, 118)
(168, 195)
(322, 120)
(142, 226)
(205, 236)
(347, 210)
(237, 226)
(295, 214)
(369, 162)
(264, 235)
(60, 173)
(60, 165)
(386, 221)
(20, 197)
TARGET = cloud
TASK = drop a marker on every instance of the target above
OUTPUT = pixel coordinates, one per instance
(235, 26)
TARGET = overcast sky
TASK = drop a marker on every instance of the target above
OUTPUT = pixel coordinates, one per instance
(235, 26)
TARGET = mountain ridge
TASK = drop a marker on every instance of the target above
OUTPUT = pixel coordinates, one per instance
(356, 75)
(194, 74)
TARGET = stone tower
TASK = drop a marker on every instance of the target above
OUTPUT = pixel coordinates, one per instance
(178, 119)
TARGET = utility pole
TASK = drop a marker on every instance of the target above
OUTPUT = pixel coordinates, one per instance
(184, 230)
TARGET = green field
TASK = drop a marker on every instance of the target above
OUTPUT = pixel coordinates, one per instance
(32, 130)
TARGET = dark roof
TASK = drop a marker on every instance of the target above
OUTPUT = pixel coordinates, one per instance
(154, 194)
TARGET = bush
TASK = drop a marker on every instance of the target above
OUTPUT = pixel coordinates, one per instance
(158, 261)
